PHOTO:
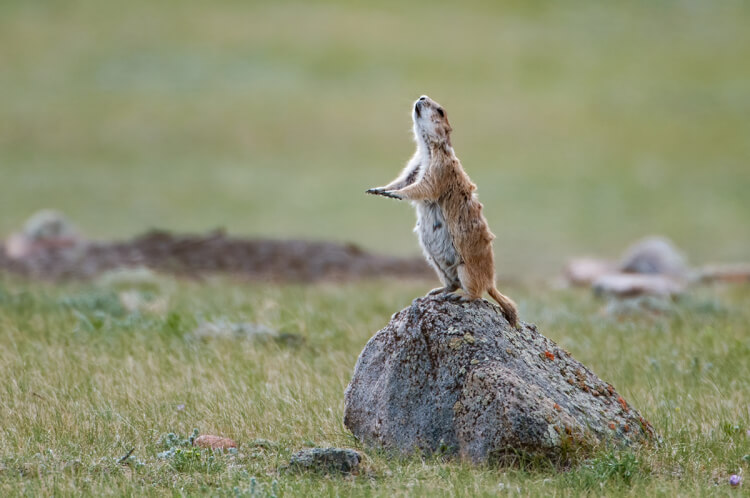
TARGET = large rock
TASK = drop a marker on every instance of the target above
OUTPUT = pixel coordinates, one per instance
(456, 378)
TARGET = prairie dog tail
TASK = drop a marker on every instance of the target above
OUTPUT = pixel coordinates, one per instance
(510, 310)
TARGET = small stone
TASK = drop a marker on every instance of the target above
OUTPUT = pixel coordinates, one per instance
(654, 255)
(136, 302)
(214, 442)
(325, 460)
(45, 230)
(730, 273)
(630, 285)
(583, 271)
(225, 329)
(18, 246)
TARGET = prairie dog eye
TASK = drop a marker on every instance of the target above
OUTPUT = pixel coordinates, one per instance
(440, 111)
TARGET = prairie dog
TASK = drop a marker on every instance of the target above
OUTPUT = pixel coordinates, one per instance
(452, 230)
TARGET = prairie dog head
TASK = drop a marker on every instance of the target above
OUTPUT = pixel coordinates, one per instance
(431, 124)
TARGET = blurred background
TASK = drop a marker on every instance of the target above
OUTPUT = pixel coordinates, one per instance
(586, 125)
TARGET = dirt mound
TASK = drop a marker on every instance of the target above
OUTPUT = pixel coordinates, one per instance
(215, 252)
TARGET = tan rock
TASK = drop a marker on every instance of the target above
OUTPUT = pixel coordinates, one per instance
(634, 284)
(45, 230)
(214, 442)
(17, 246)
(734, 273)
(583, 271)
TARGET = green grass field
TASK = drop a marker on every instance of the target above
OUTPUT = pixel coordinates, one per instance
(586, 125)
(85, 381)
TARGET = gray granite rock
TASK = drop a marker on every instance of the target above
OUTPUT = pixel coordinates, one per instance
(456, 378)
(325, 460)
(654, 255)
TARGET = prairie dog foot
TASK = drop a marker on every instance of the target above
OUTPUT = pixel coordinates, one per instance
(442, 290)
(456, 297)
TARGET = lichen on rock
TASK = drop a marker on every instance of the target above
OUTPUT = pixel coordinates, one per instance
(325, 460)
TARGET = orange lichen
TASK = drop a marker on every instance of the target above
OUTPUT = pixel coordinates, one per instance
(623, 403)
(549, 355)
(626, 428)
(646, 427)
(557, 407)
(612, 425)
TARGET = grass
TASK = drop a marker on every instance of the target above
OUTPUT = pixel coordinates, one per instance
(87, 381)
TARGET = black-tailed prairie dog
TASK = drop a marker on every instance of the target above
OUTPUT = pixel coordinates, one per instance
(452, 230)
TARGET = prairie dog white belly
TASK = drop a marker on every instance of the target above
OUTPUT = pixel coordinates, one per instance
(437, 243)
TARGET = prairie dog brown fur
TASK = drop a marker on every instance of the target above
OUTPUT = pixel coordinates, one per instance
(453, 232)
